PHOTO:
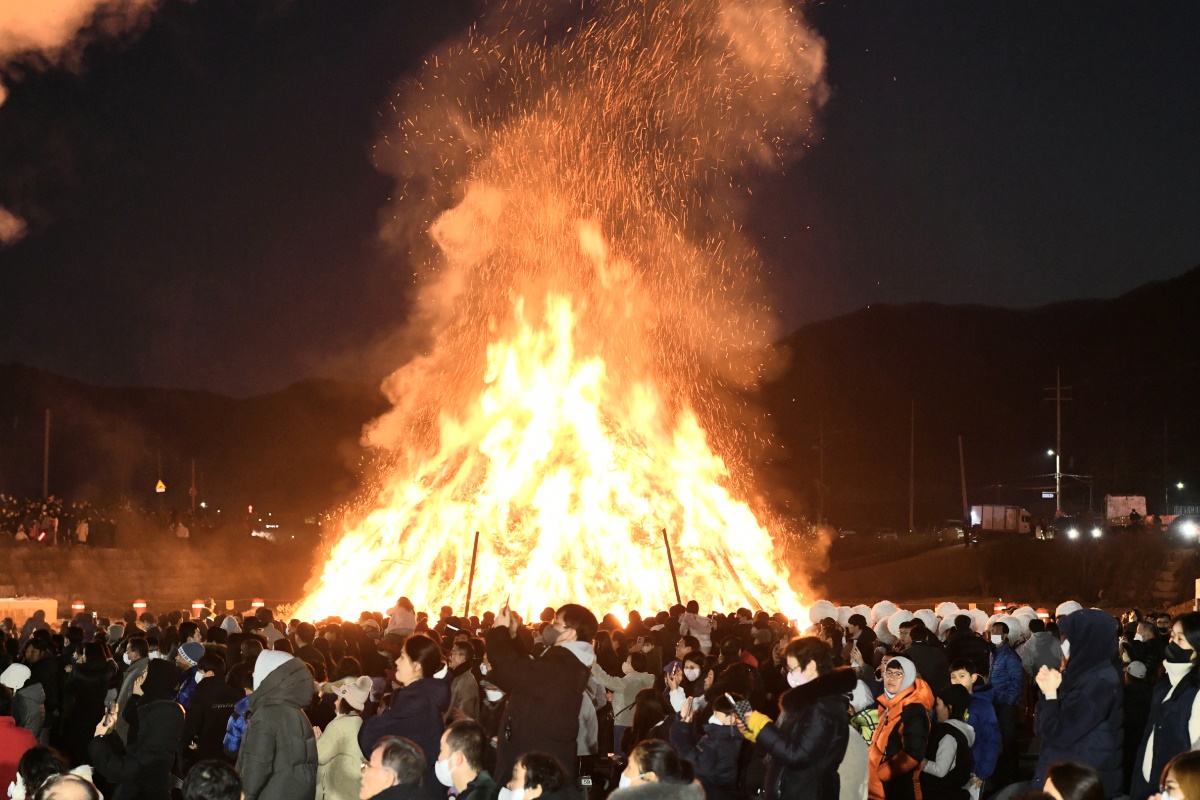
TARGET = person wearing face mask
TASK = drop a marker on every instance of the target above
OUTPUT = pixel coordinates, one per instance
(808, 742)
(208, 715)
(83, 699)
(713, 748)
(415, 711)
(1174, 723)
(1007, 679)
(535, 775)
(460, 762)
(136, 659)
(1081, 713)
(634, 678)
(545, 694)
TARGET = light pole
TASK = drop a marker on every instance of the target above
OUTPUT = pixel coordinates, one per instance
(1057, 480)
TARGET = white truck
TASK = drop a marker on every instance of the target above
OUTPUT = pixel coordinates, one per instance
(1119, 508)
(1002, 519)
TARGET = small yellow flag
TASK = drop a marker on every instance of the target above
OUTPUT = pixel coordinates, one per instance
(160, 487)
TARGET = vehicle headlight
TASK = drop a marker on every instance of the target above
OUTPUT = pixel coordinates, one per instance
(1189, 528)
(1097, 533)
(1072, 533)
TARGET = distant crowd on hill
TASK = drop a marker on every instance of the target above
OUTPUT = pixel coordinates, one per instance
(53, 521)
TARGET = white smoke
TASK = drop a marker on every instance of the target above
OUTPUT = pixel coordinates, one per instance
(12, 227)
(51, 32)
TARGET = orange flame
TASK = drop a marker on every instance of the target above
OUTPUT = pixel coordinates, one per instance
(583, 390)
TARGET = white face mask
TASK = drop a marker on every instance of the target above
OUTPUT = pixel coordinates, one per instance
(494, 695)
(1137, 637)
(795, 679)
(512, 794)
(442, 770)
(1066, 646)
(483, 670)
(691, 673)
(127, 659)
(1167, 796)
(997, 639)
(199, 677)
(624, 782)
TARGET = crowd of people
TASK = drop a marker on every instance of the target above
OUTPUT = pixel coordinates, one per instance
(53, 521)
(873, 703)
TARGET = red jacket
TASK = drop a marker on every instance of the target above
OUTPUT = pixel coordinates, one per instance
(14, 742)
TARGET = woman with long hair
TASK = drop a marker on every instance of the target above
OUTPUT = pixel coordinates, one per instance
(416, 711)
(88, 682)
(1181, 778)
(1174, 722)
(651, 720)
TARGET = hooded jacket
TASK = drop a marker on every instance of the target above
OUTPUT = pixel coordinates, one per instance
(208, 718)
(339, 758)
(278, 756)
(132, 673)
(948, 765)
(545, 697)
(83, 705)
(1042, 650)
(1085, 722)
(901, 738)
(807, 744)
(1172, 727)
(29, 710)
(143, 771)
(714, 755)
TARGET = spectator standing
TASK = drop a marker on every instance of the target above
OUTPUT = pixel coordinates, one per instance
(278, 756)
(545, 694)
(28, 699)
(15, 741)
(634, 678)
(464, 688)
(142, 770)
(396, 771)
(981, 716)
(1174, 722)
(1042, 650)
(84, 692)
(136, 660)
(947, 768)
(339, 757)
(1007, 679)
(899, 742)
(1081, 713)
(208, 716)
(460, 762)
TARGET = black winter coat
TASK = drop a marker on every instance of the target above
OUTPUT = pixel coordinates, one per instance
(207, 716)
(544, 699)
(83, 706)
(1085, 723)
(968, 646)
(806, 745)
(415, 712)
(144, 771)
(713, 755)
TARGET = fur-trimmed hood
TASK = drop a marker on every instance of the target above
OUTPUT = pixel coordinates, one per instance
(841, 681)
(660, 791)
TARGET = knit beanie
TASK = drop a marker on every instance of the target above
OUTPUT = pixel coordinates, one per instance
(267, 662)
(191, 652)
(356, 693)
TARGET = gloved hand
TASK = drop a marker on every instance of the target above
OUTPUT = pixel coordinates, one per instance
(754, 724)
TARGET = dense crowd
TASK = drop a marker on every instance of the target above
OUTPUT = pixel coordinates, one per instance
(53, 521)
(868, 702)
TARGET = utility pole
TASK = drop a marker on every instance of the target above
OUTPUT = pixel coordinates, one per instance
(1058, 401)
(192, 491)
(962, 477)
(1166, 475)
(912, 450)
(46, 459)
(821, 469)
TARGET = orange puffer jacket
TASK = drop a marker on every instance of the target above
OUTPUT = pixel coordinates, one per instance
(898, 744)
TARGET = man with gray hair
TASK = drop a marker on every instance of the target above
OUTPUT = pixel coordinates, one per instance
(396, 771)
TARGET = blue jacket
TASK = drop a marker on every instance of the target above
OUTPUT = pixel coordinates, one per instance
(235, 728)
(187, 688)
(1007, 676)
(981, 716)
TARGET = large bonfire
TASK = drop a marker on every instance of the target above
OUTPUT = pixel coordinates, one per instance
(594, 318)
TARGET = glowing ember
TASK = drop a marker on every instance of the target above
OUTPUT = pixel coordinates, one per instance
(593, 313)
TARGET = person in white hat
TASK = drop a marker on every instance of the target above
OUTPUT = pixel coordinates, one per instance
(339, 759)
(28, 699)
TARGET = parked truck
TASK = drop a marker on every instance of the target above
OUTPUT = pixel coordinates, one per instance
(1119, 509)
(1002, 519)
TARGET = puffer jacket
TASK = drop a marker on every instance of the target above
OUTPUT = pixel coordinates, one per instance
(806, 745)
(235, 728)
(1007, 676)
(29, 710)
(278, 756)
(715, 756)
(415, 712)
(899, 743)
(339, 760)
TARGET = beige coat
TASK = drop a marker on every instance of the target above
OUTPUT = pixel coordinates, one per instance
(464, 694)
(339, 759)
(624, 691)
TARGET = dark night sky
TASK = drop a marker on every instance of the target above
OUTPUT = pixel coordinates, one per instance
(203, 210)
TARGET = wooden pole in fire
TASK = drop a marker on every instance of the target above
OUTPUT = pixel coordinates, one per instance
(471, 577)
(671, 564)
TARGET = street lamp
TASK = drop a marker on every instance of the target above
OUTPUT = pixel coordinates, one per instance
(1057, 480)
(1179, 485)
